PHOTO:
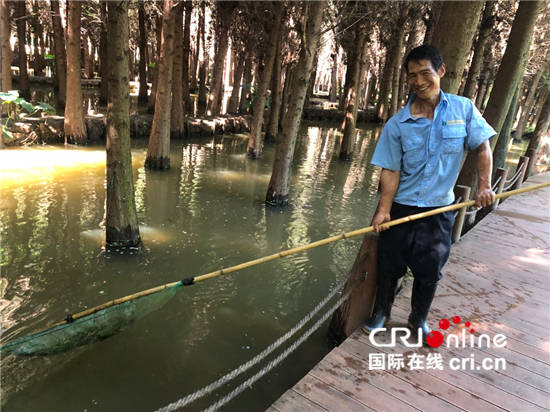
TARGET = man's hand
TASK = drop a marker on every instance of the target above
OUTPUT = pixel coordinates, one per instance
(379, 218)
(484, 197)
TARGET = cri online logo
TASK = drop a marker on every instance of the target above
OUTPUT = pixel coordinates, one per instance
(435, 338)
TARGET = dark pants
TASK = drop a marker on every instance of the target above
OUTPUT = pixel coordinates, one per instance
(423, 245)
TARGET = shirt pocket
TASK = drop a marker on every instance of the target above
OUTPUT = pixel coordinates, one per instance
(453, 138)
(413, 152)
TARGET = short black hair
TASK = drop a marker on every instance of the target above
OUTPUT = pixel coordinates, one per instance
(424, 52)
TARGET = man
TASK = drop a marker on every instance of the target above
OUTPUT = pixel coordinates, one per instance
(420, 152)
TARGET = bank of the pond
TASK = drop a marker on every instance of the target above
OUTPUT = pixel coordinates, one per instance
(205, 213)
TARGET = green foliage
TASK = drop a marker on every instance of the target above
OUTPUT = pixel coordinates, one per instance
(152, 65)
(49, 57)
(12, 97)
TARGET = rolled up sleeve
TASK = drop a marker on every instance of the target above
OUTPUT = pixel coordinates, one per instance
(388, 152)
(477, 128)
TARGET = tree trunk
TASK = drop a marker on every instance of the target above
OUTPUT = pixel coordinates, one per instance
(509, 75)
(279, 184)
(432, 21)
(188, 103)
(539, 105)
(289, 74)
(453, 37)
(153, 96)
(246, 85)
(7, 55)
(195, 63)
(232, 106)
(530, 99)
(485, 29)
(534, 144)
(385, 84)
(333, 78)
(356, 64)
(121, 222)
(501, 149)
(265, 69)
(20, 16)
(38, 41)
(272, 128)
(142, 95)
(217, 88)
(397, 58)
(74, 127)
(204, 63)
(86, 56)
(60, 54)
(177, 124)
(482, 84)
(158, 151)
(103, 55)
(312, 80)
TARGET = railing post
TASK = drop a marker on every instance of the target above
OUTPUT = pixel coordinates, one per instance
(502, 174)
(522, 160)
(462, 192)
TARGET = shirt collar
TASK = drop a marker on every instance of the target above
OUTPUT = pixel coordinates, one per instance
(406, 112)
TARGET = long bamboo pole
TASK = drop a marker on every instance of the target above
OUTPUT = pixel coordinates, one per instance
(293, 251)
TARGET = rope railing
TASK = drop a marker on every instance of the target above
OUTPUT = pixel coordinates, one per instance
(275, 345)
(513, 180)
(495, 185)
(255, 360)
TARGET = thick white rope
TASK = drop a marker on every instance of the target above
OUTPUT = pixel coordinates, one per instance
(245, 366)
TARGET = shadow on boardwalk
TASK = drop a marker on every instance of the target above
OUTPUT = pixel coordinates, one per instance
(497, 278)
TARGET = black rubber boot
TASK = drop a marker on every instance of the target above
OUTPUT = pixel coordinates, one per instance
(382, 305)
(422, 296)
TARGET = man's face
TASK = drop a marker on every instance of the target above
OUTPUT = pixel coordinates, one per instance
(423, 79)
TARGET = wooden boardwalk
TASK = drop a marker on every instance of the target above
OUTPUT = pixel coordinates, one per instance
(497, 278)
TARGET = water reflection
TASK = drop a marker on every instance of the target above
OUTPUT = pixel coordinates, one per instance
(206, 213)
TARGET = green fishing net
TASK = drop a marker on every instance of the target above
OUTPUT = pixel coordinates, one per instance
(90, 328)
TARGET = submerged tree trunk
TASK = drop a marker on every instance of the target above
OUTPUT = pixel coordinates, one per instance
(153, 96)
(533, 148)
(265, 70)
(158, 151)
(246, 85)
(312, 80)
(453, 37)
(142, 95)
(195, 62)
(103, 55)
(509, 75)
(204, 62)
(333, 78)
(279, 184)
(289, 75)
(74, 127)
(187, 102)
(272, 128)
(485, 29)
(216, 87)
(121, 222)
(356, 64)
(60, 54)
(177, 124)
(232, 106)
(20, 16)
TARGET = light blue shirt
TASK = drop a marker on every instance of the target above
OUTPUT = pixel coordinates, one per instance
(429, 153)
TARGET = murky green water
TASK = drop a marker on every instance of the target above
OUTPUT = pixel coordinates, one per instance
(207, 212)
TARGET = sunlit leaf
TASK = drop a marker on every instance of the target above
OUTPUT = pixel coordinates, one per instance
(29, 107)
(45, 107)
(10, 96)
(6, 132)
(49, 57)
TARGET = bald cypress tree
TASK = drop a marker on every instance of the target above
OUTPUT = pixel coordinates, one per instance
(121, 217)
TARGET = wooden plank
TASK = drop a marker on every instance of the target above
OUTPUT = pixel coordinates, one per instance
(326, 396)
(331, 371)
(421, 380)
(292, 401)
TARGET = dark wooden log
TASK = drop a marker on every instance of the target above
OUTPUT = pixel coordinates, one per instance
(362, 282)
